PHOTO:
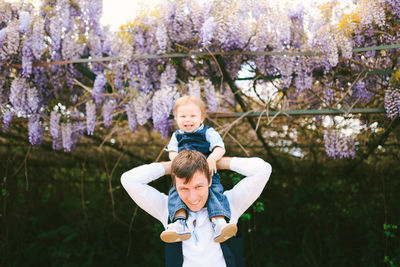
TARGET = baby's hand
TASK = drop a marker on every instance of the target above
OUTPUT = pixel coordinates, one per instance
(212, 165)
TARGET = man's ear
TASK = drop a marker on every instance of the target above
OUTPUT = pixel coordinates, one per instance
(209, 185)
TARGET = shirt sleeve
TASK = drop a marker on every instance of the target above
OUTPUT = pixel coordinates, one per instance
(214, 138)
(148, 198)
(244, 193)
(173, 144)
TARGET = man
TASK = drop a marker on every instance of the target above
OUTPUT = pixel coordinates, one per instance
(192, 180)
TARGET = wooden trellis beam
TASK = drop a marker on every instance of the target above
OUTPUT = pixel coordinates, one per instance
(203, 53)
(299, 112)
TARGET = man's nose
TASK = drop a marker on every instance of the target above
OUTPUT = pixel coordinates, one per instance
(192, 197)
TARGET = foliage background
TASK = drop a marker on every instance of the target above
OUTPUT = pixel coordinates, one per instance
(56, 208)
(68, 208)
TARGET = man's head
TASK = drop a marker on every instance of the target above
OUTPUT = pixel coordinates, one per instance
(191, 177)
(190, 112)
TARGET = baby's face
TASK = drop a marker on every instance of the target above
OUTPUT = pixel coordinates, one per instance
(188, 117)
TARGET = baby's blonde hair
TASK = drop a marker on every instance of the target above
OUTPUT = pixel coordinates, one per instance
(191, 99)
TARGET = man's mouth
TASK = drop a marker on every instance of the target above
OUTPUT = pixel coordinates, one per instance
(194, 203)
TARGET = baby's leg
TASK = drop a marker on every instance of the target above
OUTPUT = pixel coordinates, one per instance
(176, 207)
(177, 230)
(219, 210)
(217, 203)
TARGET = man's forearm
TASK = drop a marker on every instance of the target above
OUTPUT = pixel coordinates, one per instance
(135, 182)
(245, 192)
(224, 163)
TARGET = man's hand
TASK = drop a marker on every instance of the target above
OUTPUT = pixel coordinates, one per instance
(167, 166)
(172, 155)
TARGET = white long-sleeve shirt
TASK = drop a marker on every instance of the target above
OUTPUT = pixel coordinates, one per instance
(203, 250)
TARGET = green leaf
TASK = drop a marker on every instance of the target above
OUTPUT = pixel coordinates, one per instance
(245, 217)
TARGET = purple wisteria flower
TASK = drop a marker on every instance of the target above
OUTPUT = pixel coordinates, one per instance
(66, 132)
(361, 92)
(64, 13)
(79, 129)
(333, 53)
(90, 117)
(7, 118)
(118, 76)
(12, 39)
(338, 145)
(55, 124)
(95, 10)
(394, 6)
(304, 78)
(392, 102)
(328, 95)
(98, 88)
(211, 96)
(286, 67)
(194, 88)
(35, 130)
(38, 45)
(27, 57)
(161, 36)
(131, 114)
(69, 48)
(3, 93)
(108, 112)
(32, 100)
(57, 143)
(108, 37)
(163, 102)
(143, 107)
(95, 46)
(40, 78)
(24, 19)
(55, 32)
(168, 77)
(359, 40)
(207, 31)
(18, 96)
(3, 35)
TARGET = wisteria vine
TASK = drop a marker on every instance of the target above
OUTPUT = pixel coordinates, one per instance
(68, 102)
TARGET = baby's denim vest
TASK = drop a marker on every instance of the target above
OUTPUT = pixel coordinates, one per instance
(194, 141)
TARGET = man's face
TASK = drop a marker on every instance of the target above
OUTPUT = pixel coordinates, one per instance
(195, 193)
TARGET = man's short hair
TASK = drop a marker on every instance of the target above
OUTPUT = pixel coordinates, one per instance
(187, 163)
(186, 99)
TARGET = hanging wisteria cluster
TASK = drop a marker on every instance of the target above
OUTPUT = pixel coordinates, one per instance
(73, 99)
(338, 145)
